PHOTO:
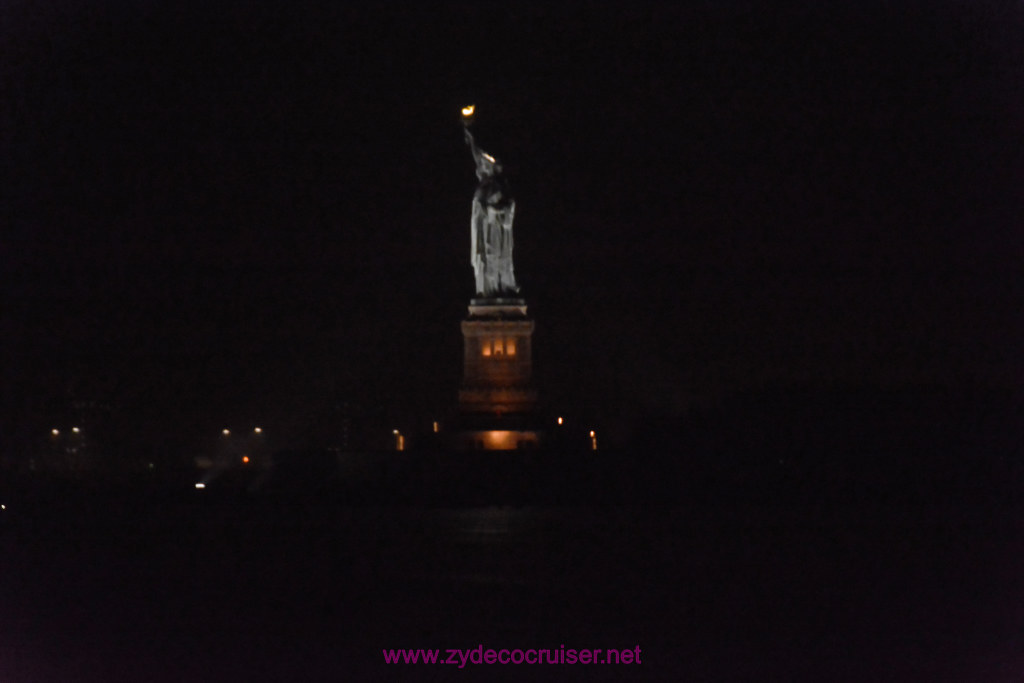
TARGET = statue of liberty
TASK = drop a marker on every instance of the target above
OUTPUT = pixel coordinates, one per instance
(491, 223)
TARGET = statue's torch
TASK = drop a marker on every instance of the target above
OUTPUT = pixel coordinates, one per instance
(467, 115)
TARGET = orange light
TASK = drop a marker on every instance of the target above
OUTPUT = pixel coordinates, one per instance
(559, 420)
(510, 346)
(245, 459)
(468, 111)
(499, 439)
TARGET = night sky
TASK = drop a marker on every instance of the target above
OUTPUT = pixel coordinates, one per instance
(226, 214)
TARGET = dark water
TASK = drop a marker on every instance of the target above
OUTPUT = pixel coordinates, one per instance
(816, 582)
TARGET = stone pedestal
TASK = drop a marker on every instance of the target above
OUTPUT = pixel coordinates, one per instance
(497, 398)
(497, 366)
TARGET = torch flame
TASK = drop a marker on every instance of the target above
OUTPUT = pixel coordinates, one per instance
(468, 111)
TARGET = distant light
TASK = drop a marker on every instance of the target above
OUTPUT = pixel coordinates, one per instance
(468, 111)
(245, 459)
(591, 433)
(150, 465)
(3, 507)
(395, 432)
(76, 430)
(258, 430)
(226, 432)
(437, 427)
(559, 420)
(200, 485)
(55, 432)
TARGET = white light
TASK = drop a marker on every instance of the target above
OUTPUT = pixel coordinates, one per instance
(200, 485)
(55, 432)
(226, 432)
(75, 430)
(258, 430)
(3, 507)
(394, 431)
(559, 420)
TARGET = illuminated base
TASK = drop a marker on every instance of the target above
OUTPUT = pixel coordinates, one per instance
(497, 398)
(489, 432)
(497, 440)
(497, 365)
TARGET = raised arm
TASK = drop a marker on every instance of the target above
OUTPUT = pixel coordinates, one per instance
(472, 146)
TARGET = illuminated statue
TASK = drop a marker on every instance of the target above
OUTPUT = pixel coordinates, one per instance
(491, 225)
